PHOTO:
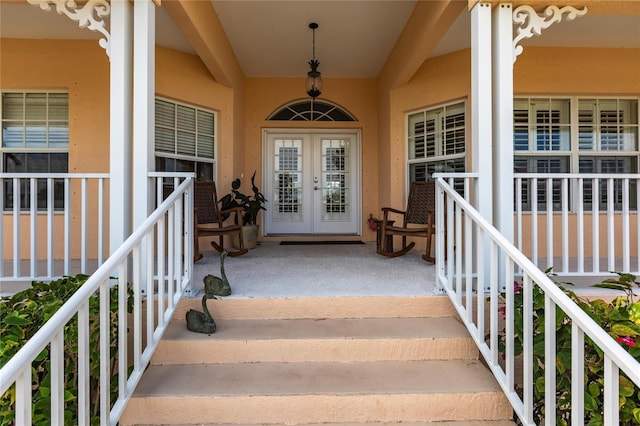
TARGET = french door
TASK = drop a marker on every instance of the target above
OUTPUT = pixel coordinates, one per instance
(312, 183)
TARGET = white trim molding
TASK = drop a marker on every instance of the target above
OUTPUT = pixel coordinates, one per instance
(530, 23)
(90, 15)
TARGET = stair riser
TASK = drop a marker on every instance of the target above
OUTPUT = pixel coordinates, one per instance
(322, 307)
(313, 350)
(305, 409)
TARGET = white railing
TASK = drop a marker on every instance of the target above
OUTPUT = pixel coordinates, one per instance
(558, 225)
(479, 257)
(50, 217)
(164, 242)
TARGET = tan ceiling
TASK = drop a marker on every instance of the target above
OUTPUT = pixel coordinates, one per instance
(272, 38)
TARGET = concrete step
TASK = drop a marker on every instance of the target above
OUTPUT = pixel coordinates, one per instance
(232, 307)
(318, 392)
(318, 340)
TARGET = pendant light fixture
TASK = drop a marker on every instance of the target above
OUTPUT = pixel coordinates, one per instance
(314, 78)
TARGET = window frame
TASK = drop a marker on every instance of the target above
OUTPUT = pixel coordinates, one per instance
(26, 150)
(577, 136)
(178, 157)
(440, 159)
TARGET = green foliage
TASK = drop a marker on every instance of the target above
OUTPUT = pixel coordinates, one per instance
(23, 314)
(620, 318)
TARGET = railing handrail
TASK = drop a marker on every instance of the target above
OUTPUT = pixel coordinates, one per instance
(41, 339)
(590, 327)
(575, 175)
(463, 218)
(53, 175)
(17, 370)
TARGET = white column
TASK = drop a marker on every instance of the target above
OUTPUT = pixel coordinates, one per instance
(120, 125)
(143, 108)
(143, 117)
(503, 120)
(481, 106)
(481, 121)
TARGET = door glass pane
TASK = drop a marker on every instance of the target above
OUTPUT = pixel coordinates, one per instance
(287, 183)
(336, 193)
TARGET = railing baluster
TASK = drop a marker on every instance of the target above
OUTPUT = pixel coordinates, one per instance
(626, 254)
(518, 221)
(527, 347)
(57, 378)
(481, 284)
(549, 208)
(534, 220)
(67, 226)
(123, 280)
(565, 224)
(100, 221)
(577, 375)
(580, 225)
(611, 392)
(161, 276)
(136, 279)
(549, 358)
(17, 236)
(23, 397)
(458, 257)
(83, 226)
(150, 287)
(171, 250)
(50, 227)
(84, 371)
(468, 265)
(33, 228)
(105, 352)
(611, 242)
(509, 315)
(595, 224)
(494, 288)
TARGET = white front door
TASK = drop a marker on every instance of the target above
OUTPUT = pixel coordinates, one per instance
(312, 183)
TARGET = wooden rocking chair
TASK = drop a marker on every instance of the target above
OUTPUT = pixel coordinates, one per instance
(417, 221)
(208, 219)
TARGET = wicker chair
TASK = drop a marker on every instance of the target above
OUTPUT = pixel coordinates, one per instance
(208, 220)
(417, 221)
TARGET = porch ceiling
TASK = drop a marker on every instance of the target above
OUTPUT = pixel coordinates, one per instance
(272, 39)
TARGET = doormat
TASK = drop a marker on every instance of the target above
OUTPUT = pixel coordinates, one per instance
(316, 243)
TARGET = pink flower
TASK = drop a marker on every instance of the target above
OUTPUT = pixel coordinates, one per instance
(627, 340)
(502, 310)
(516, 287)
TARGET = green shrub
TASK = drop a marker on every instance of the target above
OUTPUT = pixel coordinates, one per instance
(23, 314)
(620, 318)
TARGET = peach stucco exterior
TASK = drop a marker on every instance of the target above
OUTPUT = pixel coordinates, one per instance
(243, 104)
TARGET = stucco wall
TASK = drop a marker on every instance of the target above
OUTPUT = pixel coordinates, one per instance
(82, 69)
(358, 96)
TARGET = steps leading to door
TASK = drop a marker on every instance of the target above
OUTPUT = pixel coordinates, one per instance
(319, 360)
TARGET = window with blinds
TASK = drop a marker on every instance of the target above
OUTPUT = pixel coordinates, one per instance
(35, 139)
(601, 136)
(436, 141)
(185, 139)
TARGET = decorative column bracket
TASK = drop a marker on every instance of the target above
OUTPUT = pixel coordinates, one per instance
(90, 15)
(530, 23)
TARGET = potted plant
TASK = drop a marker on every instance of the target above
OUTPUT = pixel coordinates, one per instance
(252, 204)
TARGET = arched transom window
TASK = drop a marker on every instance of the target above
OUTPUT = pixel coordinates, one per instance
(311, 110)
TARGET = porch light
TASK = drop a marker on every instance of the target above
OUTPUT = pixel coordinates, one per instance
(314, 78)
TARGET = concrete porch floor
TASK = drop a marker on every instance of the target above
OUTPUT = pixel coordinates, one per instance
(274, 270)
